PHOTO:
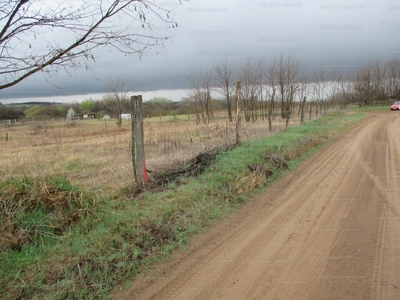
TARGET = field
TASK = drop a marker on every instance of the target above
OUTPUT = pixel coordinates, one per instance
(97, 155)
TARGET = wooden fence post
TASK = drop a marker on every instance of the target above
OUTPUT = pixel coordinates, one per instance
(271, 110)
(238, 123)
(138, 159)
(289, 105)
(302, 109)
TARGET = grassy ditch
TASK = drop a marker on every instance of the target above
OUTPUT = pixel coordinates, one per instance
(101, 244)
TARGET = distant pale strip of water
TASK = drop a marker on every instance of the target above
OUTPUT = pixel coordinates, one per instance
(175, 95)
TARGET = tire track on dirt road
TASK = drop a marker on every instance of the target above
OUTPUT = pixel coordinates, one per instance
(387, 266)
(327, 230)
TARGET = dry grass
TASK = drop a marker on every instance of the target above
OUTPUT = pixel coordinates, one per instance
(97, 156)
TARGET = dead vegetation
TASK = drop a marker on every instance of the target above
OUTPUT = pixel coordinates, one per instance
(259, 172)
(276, 161)
(193, 167)
(159, 181)
(97, 155)
(301, 146)
(259, 169)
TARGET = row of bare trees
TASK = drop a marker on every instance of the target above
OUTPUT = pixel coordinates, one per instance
(376, 82)
(266, 87)
(273, 87)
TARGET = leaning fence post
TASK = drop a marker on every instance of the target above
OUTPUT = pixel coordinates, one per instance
(138, 159)
(302, 110)
(238, 123)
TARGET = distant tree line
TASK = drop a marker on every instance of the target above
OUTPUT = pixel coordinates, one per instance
(47, 110)
(269, 88)
(276, 86)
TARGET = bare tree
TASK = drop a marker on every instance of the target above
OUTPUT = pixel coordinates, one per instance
(286, 71)
(250, 75)
(303, 91)
(259, 82)
(379, 75)
(319, 86)
(28, 28)
(345, 88)
(224, 79)
(245, 76)
(369, 83)
(201, 93)
(362, 85)
(271, 84)
(196, 96)
(335, 79)
(117, 99)
(393, 78)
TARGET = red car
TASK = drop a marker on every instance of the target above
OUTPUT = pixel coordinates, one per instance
(395, 106)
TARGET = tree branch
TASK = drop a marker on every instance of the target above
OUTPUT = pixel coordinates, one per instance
(90, 25)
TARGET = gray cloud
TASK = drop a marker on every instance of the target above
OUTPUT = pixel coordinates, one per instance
(319, 33)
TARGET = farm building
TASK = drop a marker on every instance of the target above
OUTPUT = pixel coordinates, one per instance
(83, 116)
(89, 116)
(126, 116)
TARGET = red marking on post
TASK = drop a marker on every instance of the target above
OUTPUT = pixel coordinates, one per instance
(144, 170)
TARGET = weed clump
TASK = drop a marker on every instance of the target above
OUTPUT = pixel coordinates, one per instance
(276, 161)
(36, 209)
(303, 145)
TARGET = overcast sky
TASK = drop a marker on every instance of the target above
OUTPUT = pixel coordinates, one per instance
(320, 33)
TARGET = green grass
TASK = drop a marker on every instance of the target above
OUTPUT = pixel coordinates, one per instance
(123, 238)
(377, 108)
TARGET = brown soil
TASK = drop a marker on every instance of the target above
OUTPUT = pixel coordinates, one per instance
(328, 230)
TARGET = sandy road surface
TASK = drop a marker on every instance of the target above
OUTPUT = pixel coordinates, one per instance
(328, 230)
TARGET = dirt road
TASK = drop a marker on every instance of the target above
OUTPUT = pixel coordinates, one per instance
(328, 230)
